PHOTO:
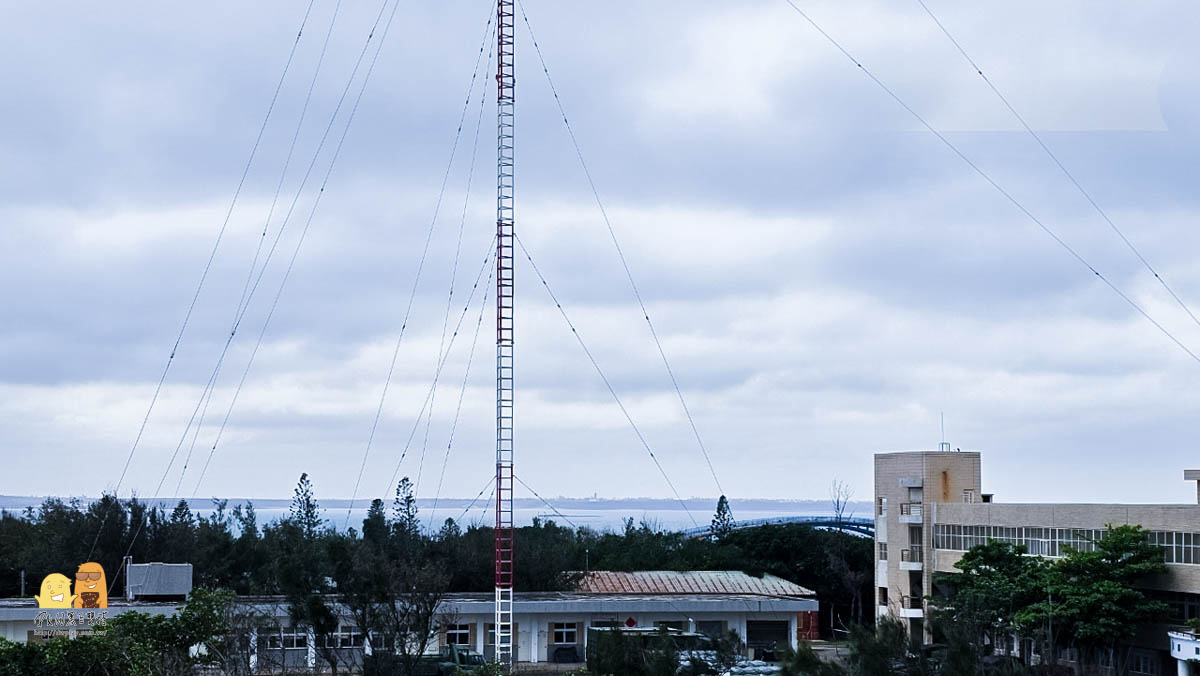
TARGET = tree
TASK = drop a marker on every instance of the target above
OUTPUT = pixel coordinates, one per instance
(722, 523)
(374, 528)
(663, 659)
(302, 568)
(879, 650)
(804, 662)
(1091, 597)
(106, 518)
(850, 577)
(405, 522)
(997, 581)
(393, 592)
(305, 512)
(840, 494)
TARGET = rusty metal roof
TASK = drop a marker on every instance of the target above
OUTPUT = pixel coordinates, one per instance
(688, 582)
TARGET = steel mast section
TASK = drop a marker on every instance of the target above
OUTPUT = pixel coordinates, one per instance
(505, 239)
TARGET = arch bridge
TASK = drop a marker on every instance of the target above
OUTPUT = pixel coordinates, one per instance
(851, 524)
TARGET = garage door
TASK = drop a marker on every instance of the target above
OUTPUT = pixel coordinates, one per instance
(762, 636)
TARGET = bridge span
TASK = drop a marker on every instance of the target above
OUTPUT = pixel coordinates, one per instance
(853, 524)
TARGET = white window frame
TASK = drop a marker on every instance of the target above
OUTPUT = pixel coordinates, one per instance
(292, 638)
(562, 631)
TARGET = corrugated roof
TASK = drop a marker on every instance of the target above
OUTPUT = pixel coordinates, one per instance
(687, 582)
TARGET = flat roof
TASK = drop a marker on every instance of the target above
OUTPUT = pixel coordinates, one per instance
(920, 452)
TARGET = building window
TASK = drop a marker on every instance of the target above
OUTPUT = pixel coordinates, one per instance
(883, 596)
(1143, 663)
(344, 637)
(490, 634)
(458, 634)
(881, 507)
(883, 551)
(383, 641)
(565, 633)
(287, 638)
(1177, 547)
(916, 494)
(968, 495)
(349, 637)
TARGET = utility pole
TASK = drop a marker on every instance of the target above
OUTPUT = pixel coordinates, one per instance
(505, 239)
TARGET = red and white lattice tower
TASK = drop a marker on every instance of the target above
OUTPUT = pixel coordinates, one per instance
(505, 25)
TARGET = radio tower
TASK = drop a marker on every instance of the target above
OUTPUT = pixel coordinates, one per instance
(505, 32)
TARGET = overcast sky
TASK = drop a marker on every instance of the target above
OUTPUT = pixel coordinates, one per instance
(826, 277)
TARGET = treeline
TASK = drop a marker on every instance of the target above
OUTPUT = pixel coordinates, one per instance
(230, 549)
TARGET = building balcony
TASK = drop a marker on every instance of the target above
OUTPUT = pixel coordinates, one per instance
(912, 606)
(911, 558)
(911, 512)
(1185, 645)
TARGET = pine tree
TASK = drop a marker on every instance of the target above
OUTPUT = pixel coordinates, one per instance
(450, 530)
(404, 510)
(374, 527)
(305, 512)
(722, 523)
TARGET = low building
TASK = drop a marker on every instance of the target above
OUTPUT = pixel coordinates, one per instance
(929, 509)
(550, 626)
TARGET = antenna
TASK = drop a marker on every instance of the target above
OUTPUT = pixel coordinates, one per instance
(944, 446)
(505, 234)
